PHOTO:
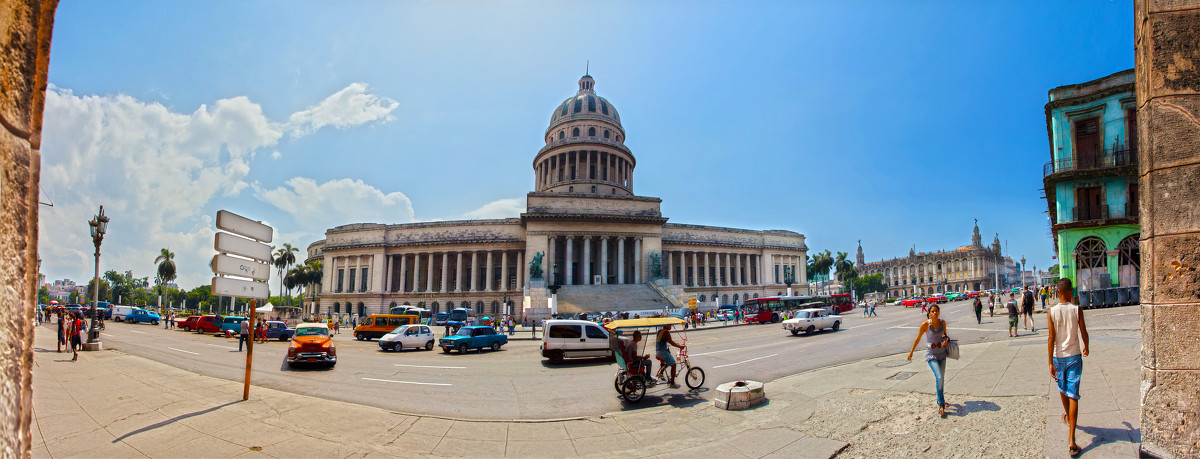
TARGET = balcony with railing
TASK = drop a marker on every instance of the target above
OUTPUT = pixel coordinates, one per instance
(1117, 156)
(1089, 213)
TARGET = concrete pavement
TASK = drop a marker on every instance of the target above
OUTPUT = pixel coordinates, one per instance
(111, 404)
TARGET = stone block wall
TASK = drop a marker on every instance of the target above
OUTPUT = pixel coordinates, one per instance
(1167, 51)
(24, 58)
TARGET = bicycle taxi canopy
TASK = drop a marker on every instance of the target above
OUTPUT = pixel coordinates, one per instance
(645, 322)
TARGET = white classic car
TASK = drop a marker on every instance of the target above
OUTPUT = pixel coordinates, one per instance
(811, 320)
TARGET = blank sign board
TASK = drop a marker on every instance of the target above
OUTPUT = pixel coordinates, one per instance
(229, 243)
(242, 226)
(241, 267)
(224, 286)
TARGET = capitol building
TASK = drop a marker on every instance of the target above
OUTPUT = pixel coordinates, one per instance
(584, 233)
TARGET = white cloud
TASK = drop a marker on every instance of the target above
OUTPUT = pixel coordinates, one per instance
(501, 208)
(156, 171)
(351, 106)
(276, 154)
(320, 206)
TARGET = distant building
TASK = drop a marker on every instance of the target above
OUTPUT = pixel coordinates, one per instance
(1091, 181)
(971, 267)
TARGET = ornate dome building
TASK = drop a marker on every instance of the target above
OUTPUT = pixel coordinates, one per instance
(584, 229)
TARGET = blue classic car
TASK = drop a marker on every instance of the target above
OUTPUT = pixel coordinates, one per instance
(142, 316)
(477, 337)
(279, 330)
(232, 323)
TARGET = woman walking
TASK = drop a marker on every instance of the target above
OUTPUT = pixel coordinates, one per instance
(936, 339)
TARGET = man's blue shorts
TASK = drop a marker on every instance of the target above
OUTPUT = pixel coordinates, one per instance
(667, 358)
(1069, 370)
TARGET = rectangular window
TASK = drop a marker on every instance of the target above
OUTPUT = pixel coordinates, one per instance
(1131, 200)
(364, 280)
(1087, 143)
(1089, 204)
(1131, 129)
(341, 277)
(566, 331)
(777, 274)
(350, 286)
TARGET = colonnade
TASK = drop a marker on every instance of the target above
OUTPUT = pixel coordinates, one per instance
(456, 271)
(577, 260)
(585, 165)
(712, 269)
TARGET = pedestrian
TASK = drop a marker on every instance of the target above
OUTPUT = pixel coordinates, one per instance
(1013, 315)
(873, 314)
(245, 333)
(62, 330)
(991, 305)
(337, 328)
(76, 335)
(1027, 308)
(1067, 345)
(978, 310)
(936, 339)
(1045, 293)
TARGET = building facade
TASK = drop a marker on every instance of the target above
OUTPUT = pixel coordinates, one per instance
(584, 229)
(1091, 181)
(972, 267)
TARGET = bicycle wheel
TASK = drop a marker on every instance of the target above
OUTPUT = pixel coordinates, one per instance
(695, 378)
(633, 390)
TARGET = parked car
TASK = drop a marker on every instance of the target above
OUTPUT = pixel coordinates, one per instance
(312, 344)
(141, 316)
(189, 323)
(810, 321)
(118, 312)
(408, 336)
(953, 296)
(231, 323)
(574, 339)
(912, 302)
(279, 330)
(377, 325)
(208, 324)
(473, 337)
(898, 302)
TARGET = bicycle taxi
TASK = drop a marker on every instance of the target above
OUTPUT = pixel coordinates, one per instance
(632, 383)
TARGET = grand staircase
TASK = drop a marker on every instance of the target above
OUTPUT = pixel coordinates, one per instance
(604, 298)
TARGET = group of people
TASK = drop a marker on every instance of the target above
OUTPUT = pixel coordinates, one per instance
(1066, 345)
(71, 328)
(662, 352)
(869, 308)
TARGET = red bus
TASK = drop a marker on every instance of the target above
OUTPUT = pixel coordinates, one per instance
(841, 302)
(766, 309)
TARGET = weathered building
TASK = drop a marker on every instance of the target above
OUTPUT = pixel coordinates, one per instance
(1091, 183)
(584, 228)
(971, 267)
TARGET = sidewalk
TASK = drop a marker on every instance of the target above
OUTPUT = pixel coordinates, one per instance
(110, 404)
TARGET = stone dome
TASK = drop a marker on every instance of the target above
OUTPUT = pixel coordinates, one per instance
(585, 105)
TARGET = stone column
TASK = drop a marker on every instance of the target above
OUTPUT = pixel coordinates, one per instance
(1168, 110)
(707, 279)
(621, 260)
(587, 259)
(474, 285)
(504, 271)
(429, 274)
(549, 263)
(570, 269)
(717, 260)
(416, 285)
(489, 274)
(403, 281)
(603, 259)
(387, 279)
(458, 273)
(521, 270)
(737, 276)
(667, 256)
(445, 272)
(637, 260)
(695, 270)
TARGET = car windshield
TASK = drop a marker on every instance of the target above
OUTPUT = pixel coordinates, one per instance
(398, 330)
(463, 332)
(312, 331)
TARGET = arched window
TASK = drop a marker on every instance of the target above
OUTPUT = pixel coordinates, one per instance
(701, 298)
(593, 188)
(724, 299)
(337, 307)
(392, 305)
(362, 310)
(479, 307)
(575, 132)
(435, 306)
(407, 304)
(756, 295)
(562, 135)
(495, 307)
(735, 298)
(1129, 261)
(591, 132)
(421, 304)
(570, 189)
(1092, 264)
(606, 133)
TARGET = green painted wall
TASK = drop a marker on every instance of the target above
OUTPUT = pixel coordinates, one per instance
(1111, 235)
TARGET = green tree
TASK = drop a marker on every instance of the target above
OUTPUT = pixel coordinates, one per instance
(43, 295)
(73, 297)
(311, 274)
(283, 259)
(819, 264)
(845, 268)
(166, 270)
(1054, 270)
(91, 287)
(868, 284)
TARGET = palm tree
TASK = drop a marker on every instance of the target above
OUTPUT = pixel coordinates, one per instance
(284, 257)
(166, 270)
(312, 274)
(845, 268)
(819, 264)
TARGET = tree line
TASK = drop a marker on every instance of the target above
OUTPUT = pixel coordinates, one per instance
(820, 263)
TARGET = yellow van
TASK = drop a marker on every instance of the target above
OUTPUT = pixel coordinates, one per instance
(377, 325)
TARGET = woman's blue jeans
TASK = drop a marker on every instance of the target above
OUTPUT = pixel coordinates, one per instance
(938, 367)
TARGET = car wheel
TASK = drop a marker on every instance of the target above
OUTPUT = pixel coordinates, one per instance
(358, 337)
(810, 330)
(429, 346)
(396, 347)
(557, 357)
(446, 349)
(795, 332)
(837, 325)
(496, 346)
(774, 318)
(284, 337)
(462, 348)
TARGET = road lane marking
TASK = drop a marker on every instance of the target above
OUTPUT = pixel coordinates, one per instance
(426, 366)
(135, 331)
(744, 361)
(181, 350)
(218, 345)
(409, 382)
(713, 352)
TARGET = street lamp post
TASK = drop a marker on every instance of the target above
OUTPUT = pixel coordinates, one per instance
(99, 225)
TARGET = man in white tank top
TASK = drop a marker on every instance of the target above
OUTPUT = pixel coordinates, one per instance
(1067, 345)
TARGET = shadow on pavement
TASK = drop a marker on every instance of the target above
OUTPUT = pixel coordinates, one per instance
(283, 366)
(973, 406)
(172, 420)
(1105, 435)
(678, 398)
(579, 363)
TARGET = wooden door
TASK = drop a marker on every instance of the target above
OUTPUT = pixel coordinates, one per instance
(1089, 203)
(1087, 143)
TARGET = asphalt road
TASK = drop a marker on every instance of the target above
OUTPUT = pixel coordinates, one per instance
(517, 383)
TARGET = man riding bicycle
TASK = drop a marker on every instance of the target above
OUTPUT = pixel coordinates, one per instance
(662, 351)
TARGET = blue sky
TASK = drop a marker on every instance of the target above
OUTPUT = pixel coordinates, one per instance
(895, 123)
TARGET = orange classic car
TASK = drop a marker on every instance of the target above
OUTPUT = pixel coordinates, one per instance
(312, 344)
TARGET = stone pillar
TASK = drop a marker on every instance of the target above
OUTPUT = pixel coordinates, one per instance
(25, 31)
(521, 270)
(603, 259)
(707, 280)
(637, 260)
(737, 271)
(549, 263)
(445, 272)
(388, 275)
(458, 273)
(569, 261)
(620, 260)
(587, 259)
(403, 281)
(1168, 110)
(416, 287)
(667, 257)
(474, 286)
(722, 263)
(695, 270)
(429, 273)
(504, 271)
(489, 273)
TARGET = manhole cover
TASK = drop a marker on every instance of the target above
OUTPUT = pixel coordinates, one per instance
(901, 375)
(892, 363)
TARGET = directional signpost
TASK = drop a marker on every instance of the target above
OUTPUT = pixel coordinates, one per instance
(242, 267)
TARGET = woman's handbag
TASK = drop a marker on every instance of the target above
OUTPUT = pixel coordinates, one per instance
(952, 349)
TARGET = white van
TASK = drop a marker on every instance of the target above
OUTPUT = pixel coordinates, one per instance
(574, 339)
(119, 312)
